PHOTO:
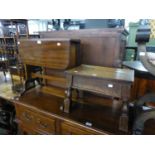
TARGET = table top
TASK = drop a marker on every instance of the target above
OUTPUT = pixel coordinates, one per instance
(126, 75)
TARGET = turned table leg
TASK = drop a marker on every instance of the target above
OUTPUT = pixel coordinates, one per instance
(123, 121)
(67, 101)
(68, 93)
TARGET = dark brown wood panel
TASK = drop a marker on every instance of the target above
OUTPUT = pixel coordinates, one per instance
(103, 118)
(116, 74)
(74, 129)
(52, 53)
(102, 47)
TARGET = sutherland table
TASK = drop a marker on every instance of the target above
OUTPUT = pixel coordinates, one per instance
(111, 82)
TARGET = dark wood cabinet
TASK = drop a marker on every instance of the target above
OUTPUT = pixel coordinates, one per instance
(32, 121)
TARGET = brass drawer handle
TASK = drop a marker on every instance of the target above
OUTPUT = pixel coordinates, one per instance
(27, 116)
(41, 124)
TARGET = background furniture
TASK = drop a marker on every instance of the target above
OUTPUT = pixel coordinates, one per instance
(14, 27)
(144, 81)
(8, 52)
(148, 60)
(100, 47)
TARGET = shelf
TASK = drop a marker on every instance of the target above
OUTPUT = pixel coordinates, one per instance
(53, 91)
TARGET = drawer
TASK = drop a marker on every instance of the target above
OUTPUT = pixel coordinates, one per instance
(74, 129)
(44, 124)
(24, 130)
(36, 121)
(106, 87)
(26, 116)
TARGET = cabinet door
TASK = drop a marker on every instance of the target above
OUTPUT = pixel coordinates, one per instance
(68, 128)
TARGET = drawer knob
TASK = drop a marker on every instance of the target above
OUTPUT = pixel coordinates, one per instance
(27, 116)
(41, 124)
(110, 85)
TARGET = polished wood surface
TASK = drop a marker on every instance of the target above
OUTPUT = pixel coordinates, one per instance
(101, 47)
(144, 82)
(52, 53)
(68, 128)
(103, 114)
(54, 80)
(35, 104)
(56, 91)
(149, 127)
(115, 74)
(54, 56)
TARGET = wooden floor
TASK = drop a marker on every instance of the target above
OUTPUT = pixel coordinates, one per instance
(5, 87)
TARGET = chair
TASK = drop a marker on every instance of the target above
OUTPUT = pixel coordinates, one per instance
(141, 114)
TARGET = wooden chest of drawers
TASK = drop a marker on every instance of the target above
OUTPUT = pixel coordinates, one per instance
(35, 121)
(32, 121)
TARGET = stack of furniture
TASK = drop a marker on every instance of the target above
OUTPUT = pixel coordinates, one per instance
(79, 86)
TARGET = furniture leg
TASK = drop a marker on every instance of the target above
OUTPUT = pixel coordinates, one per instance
(68, 99)
(123, 122)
